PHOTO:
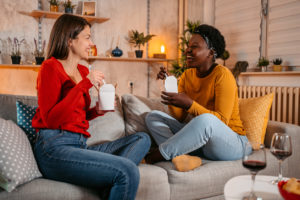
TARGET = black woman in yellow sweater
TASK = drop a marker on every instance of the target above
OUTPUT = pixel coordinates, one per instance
(208, 92)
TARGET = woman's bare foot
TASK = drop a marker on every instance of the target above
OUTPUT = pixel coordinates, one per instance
(185, 163)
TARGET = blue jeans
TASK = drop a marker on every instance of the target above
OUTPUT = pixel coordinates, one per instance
(205, 136)
(112, 166)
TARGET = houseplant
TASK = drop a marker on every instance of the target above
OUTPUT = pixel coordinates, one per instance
(179, 66)
(68, 6)
(225, 56)
(263, 63)
(139, 39)
(39, 52)
(277, 67)
(54, 5)
(15, 50)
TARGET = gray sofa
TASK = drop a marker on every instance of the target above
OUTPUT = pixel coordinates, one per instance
(160, 181)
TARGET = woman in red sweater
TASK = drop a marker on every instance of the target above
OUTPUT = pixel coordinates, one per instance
(63, 114)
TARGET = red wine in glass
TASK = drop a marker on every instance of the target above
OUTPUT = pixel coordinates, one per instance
(281, 154)
(254, 165)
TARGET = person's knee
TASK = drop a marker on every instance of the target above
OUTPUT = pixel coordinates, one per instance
(205, 118)
(145, 138)
(152, 116)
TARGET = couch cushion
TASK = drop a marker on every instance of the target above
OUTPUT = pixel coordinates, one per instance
(25, 114)
(136, 108)
(209, 179)
(154, 183)
(17, 163)
(8, 105)
(254, 114)
(108, 127)
(153, 186)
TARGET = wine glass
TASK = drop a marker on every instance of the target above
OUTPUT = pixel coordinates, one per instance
(281, 148)
(254, 159)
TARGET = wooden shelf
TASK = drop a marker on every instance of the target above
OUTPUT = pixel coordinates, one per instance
(16, 66)
(284, 73)
(54, 15)
(93, 58)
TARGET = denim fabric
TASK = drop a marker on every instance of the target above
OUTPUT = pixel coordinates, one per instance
(112, 166)
(205, 136)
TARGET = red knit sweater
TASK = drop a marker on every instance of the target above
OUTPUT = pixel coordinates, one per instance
(63, 104)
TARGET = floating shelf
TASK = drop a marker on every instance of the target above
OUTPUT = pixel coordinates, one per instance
(93, 58)
(17, 66)
(54, 15)
(289, 73)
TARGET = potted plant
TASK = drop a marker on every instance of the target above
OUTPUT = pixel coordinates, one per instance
(39, 52)
(139, 39)
(225, 56)
(68, 6)
(263, 63)
(54, 5)
(15, 51)
(277, 67)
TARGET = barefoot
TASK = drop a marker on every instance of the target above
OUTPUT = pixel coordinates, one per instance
(185, 163)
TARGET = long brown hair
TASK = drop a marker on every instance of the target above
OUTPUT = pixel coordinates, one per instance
(65, 28)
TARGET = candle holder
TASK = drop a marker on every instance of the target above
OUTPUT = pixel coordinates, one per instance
(159, 55)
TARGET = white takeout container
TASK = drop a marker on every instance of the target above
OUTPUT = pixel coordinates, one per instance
(171, 84)
(107, 97)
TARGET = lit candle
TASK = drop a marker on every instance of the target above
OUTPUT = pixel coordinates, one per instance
(162, 54)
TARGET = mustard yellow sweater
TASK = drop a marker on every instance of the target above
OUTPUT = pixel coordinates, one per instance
(216, 94)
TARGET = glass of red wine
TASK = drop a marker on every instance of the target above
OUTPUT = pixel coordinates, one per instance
(281, 148)
(254, 159)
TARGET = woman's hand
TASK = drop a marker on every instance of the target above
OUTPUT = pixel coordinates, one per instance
(180, 100)
(162, 73)
(96, 77)
(102, 112)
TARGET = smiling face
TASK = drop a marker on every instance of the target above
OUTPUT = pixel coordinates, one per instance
(81, 45)
(197, 53)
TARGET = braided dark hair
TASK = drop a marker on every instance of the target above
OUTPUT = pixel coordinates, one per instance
(213, 38)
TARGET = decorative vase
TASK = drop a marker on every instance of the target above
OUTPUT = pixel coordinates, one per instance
(263, 68)
(117, 52)
(139, 53)
(15, 59)
(68, 10)
(277, 68)
(39, 60)
(54, 8)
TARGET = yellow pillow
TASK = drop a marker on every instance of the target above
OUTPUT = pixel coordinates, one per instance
(254, 114)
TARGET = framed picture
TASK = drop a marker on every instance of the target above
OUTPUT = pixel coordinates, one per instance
(89, 8)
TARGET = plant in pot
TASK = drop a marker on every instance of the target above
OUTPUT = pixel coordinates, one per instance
(225, 56)
(15, 51)
(54, 5)
(139, 39)
(263, 63)
(68, 6)
(277, 67)
(39, 52)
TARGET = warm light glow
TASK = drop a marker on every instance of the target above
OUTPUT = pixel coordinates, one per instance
(162, 49)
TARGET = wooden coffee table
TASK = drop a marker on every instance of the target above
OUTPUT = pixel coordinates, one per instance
(240, 186)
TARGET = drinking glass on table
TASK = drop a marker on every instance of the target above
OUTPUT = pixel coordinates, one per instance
(254, 159)
(281, 148)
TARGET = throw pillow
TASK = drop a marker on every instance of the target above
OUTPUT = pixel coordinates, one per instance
(108, 127)
(135, 110)
(25, 114)
(17, 162)
(254, 114)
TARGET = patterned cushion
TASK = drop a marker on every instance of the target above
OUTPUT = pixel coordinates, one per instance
(17, 163)
(254, 114)
(25, 114)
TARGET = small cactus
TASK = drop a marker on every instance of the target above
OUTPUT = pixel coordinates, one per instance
(277, 61)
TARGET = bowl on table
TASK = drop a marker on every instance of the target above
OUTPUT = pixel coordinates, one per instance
(285, 194)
